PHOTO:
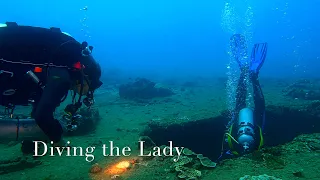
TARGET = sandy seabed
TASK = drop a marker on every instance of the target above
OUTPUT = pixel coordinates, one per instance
(123, 121)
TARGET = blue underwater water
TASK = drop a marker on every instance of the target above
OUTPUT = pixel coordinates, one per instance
(189, 39)
(174, 37)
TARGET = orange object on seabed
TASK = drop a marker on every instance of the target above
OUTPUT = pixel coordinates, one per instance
(113, 171)
(118, 168)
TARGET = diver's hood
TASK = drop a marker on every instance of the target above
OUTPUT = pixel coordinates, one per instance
(92, 70)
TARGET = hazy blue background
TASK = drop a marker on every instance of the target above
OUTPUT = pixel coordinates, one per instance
(179, 37)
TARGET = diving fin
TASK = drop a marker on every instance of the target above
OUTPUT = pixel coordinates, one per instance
(238, 47)
(258, 55)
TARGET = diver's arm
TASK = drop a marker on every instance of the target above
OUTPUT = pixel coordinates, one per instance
(258, 100)
(58, 84)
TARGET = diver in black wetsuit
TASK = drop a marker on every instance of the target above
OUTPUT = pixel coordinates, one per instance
(39, 66)
(245, 132)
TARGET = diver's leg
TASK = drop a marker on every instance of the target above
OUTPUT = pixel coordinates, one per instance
(238, 46)
(58, 84)
(258, 56)
(241, 92)
(258, 101)
(34, 109)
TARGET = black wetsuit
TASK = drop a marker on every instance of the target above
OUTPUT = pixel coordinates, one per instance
(23, 48)
(259, 109)
(259, 102)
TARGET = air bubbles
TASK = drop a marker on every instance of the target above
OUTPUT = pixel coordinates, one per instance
(84, 22)
(85, 8)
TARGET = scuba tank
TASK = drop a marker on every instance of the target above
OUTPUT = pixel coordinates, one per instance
(245, 134)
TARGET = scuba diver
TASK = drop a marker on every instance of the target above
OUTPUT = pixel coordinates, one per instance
(245, 130)
(38, 66)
